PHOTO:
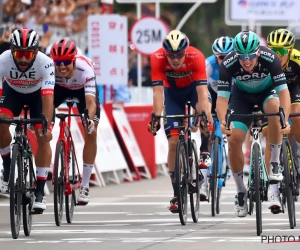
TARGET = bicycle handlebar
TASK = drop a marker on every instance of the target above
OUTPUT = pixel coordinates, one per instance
(230, 113)
(180, 117)
(21, 121)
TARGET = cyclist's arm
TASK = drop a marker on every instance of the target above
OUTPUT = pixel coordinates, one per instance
(224, 89)
(158, 79)
(280, 85)
(47, 90)
(90, 95)
(201, 83)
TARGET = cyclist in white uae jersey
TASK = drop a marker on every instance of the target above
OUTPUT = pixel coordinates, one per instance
(75, 77)
(28, 79)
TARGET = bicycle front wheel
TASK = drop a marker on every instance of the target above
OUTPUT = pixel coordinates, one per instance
(28, 197)
(70, 200)
(181, 181)
(15, 191)
(257, 182)
(59, 182)
(288, 182)
(194, 173)
(213, 178)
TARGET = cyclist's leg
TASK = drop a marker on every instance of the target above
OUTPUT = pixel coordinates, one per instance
(295, 108)
(204, 159)
(242, 103)
(271, 104)
(90, 146)
(10, 106)
(43, 153)
(247, 153)
(174, 104)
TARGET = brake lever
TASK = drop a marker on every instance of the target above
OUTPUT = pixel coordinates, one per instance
(44, 124)
(153, 119)
(282, 117)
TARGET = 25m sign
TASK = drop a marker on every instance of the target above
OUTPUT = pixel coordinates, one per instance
(147, 34)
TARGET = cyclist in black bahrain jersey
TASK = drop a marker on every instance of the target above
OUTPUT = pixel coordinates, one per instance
(259, 80)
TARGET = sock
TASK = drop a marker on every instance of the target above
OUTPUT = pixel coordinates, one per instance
(275, 152)
(173, 182)
(5, 154)
(239, 182)
(274, 188)
(41, 176)
(204, 143)
(205, 173)
(86, 174)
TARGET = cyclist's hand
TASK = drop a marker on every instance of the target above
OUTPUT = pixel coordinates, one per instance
(286, 130)
(194, 129)
(207, 131)
(224, 130)
(156, 127)
(90, 128)
(47, 137)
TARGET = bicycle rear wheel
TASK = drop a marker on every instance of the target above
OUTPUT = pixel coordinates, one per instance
(181, 181)
(288, 182)
(15, 191)
(28, 197)
(59, 182)
(213, 178)
(194, 175)
(70, 200)
(257, 182)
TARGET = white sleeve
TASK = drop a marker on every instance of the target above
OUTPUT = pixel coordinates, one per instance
(48, 78)
(208, 69)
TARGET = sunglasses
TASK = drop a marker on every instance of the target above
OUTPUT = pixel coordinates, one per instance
(220, 57)
(175, 55)
(251, 56)
(280, 51)
(20, 53)
(63, 62)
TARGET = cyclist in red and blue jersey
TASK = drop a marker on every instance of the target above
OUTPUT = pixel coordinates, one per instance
(178, 75)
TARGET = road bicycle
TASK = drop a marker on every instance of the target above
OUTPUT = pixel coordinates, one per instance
(66, 176)
(187, 173)
(22, 179)
(218, 171)
(258, 179)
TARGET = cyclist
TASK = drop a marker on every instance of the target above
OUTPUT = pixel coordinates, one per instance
(28, 80)
(259, 80)
(178, 74)
(75, 77)
(282, 42)
(220, 47)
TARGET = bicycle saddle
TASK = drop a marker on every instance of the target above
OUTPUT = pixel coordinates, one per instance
(74, 99)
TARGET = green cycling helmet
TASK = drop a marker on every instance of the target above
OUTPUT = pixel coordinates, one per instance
(246, 42)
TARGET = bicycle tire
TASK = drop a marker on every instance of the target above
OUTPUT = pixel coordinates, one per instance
(213, 178)
(27, 206)
(69, 199)
(257, 182)
(15, 191)
(181, 182)
(194, 196)
(59, 182)
(288, 182)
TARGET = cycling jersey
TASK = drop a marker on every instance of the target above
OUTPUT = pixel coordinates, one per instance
(212, 72)
(292, 71)
(84, 77)
(191, 71)
(39, 76)
(267, 73)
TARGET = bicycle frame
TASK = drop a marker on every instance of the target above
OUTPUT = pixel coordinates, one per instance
(255, 131)
(65, 136)
(221, 174)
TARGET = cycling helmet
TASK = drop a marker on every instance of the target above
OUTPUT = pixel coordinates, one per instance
(246, 42)
(222, 45)
(64, 49)
(24, 38)
(175, 41)
(281, 38)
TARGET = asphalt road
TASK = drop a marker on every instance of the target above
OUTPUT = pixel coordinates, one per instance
(134, 216)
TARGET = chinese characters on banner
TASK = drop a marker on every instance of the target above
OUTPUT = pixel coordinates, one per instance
(107, 40)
